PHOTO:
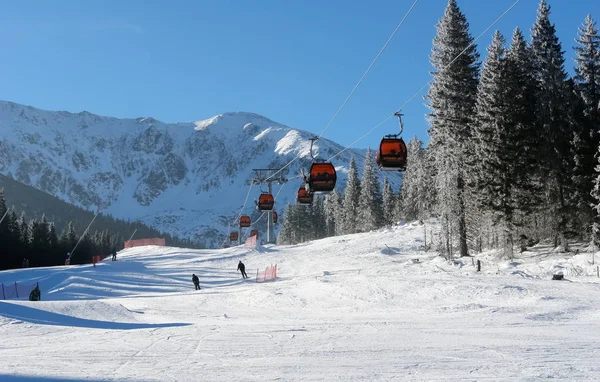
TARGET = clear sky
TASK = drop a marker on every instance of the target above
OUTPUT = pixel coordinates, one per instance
(291, 61)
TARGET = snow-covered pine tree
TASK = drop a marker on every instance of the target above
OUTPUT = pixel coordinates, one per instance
(490, 112)
(548, 63)
(53, 239)
(587, 68)
(398, 213)
(452, 101)
(370, 213)
(3, 211)
(596, 206)
(68, 237)
(496, 149)
(25, 230)
(351, 201)
(586, 139)
(285, 234)
(521, 98)
(316, 222)
(332, 207)
(389, 202)
(415, 184)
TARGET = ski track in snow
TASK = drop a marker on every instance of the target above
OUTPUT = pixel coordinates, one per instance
(364, 307)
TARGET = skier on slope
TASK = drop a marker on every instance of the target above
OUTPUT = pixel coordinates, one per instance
(242, 268)
(35, 294)
(196, 281)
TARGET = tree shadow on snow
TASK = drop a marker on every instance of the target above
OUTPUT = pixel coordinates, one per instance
(42, 317)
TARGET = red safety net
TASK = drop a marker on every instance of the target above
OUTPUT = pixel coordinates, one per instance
(270, 273)
(141, 242)
(251, 241)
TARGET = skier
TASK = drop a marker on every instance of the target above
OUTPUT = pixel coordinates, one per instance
(242, 268)
(35, 294)
(114, 254)
(196, 281)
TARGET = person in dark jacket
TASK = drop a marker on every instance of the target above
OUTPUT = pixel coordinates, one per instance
(35, 294)
(196, 281)
(114, 254)
(242, 268)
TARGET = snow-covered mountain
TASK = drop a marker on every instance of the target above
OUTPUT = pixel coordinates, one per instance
(190, 179)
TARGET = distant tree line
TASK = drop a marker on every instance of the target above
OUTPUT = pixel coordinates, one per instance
(37, 240)
(513, 152)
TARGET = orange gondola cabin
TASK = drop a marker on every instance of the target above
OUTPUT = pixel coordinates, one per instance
(304, 197)
(275, 217)
(322, 177)
(245, 221)
(266, 202)
(392, 154)
(233, 236)
(254, 232)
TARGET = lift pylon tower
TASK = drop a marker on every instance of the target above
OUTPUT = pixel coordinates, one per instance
(268, 176)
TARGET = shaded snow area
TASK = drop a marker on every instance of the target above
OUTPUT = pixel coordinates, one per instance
(364, 307)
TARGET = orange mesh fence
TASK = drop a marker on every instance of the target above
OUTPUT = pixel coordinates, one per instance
(250, 242)
(141, 242)
(270, 273)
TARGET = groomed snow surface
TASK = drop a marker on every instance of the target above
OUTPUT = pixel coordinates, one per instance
(364, 307)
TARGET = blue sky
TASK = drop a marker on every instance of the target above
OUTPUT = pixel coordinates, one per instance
(291, 61)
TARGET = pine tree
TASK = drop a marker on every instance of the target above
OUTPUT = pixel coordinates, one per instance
(13, 242)
(596, 206)
(495, 146)
(351, 201)
(332, 207)
(452, 100)
(586, 139)
(370, 214)
(521, 98)
(3, 215)
(68, 238)
(398, 213)
(415, 184)
(548, 64)
(24, 228)
(587, 67)
(389, 202)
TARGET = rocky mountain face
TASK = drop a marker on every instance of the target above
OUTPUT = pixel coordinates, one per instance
(189, 179)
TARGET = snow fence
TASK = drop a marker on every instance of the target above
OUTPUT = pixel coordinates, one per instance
(142, 242)
(270, 273)
(16, 290)
(251, 241)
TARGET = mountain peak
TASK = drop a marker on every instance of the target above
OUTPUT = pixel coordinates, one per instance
(168, 175)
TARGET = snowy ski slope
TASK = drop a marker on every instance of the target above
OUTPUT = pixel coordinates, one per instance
(364, 307)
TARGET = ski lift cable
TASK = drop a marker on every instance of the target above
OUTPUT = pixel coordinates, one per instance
(237, 218)
(428, 83)
(351, 92)
(339, 110)
(369, 68)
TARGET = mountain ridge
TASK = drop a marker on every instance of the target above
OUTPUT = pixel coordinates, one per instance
(187, 178)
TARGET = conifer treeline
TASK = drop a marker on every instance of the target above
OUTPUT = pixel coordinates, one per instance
(513, 151)
(36, 239)
(359, 209)
(512, 145)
